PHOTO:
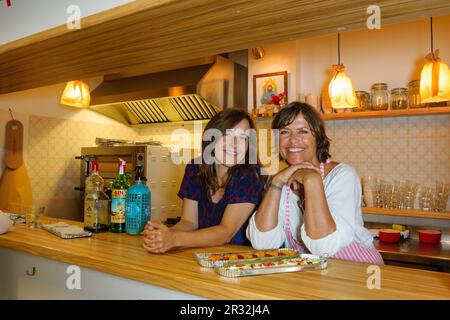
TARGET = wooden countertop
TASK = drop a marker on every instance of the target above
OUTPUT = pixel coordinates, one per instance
(122, 255)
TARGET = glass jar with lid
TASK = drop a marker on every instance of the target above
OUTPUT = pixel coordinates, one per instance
(362, 101)
(399, 98)
(380, 96)
(414, 94)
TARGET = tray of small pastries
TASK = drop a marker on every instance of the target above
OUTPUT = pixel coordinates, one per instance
(303, 262)
(215, 259)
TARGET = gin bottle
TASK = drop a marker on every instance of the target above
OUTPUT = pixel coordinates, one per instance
(118, 199)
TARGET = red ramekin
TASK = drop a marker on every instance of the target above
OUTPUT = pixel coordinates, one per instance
(389, 235)
(429, 236)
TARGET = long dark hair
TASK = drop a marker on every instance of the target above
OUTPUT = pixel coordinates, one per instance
(288, 114)
(226, 119)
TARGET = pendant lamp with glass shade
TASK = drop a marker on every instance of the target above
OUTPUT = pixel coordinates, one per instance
(76, 94)
(340, 89)
(435, 76)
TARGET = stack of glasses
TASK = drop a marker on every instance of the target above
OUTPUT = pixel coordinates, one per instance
(408, 193)
(402, 194)
(434, 199)
(370, 189)
(442, 194)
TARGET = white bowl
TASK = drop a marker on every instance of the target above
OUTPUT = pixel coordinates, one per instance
(5, 223)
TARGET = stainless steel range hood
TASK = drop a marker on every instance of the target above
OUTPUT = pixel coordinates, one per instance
(195, 90)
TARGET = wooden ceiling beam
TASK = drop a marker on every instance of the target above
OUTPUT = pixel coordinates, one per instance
(153, 33)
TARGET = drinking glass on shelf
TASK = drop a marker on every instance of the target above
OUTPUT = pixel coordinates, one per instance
(370, 189)
(384, 194)
(425, 198)
(441, 196)
(394, 196)
(408, 192)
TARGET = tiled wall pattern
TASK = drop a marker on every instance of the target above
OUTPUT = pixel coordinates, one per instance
(415, 148)
(52, 167)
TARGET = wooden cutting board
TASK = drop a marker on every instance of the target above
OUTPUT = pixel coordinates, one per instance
(15, 186)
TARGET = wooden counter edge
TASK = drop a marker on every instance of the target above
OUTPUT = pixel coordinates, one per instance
(138, 274)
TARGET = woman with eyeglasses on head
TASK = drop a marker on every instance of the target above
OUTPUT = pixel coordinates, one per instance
(313, 205)
(219, 194)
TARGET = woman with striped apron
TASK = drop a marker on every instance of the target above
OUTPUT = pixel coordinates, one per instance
(328, 220)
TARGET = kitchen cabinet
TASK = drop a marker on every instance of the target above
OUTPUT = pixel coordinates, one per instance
(25, 276)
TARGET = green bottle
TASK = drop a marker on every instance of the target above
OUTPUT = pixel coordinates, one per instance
(118, 199)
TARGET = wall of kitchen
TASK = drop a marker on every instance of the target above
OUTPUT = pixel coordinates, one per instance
(415, 148)
(53, 136)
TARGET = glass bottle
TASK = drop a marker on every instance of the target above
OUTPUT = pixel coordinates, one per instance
(414, 94)
(138, 204)
(362, 101)
(380, 96)
(118, 199)
(96, 210)
(399, 98)
(94, 179)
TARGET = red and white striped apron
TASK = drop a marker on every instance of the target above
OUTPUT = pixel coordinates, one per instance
(353, 252)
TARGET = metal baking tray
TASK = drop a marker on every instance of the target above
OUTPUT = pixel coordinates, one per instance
(312, 262)
(221, 258)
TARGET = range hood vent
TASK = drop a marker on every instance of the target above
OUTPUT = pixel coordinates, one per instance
(195, 92)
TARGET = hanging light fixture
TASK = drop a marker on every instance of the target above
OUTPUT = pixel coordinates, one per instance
(76, 94)
(435, 76)
(340, 88)
(257, 53)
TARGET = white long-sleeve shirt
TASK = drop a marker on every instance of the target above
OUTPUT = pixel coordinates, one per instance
(343, 193)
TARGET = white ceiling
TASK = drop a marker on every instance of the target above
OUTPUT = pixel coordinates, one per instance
(24, 17)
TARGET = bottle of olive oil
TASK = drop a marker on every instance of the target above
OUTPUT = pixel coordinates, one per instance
(118, 199)
(96, 203)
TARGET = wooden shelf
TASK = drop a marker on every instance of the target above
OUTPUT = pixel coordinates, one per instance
(387, 113)
(377, 114)
(407, 213)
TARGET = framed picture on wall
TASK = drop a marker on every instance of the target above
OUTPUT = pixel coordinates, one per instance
(269, 89)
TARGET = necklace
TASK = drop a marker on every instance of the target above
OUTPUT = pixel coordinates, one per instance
(293, 242)
(322, 168)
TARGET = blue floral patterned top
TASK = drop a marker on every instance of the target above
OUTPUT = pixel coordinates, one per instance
(246, 186)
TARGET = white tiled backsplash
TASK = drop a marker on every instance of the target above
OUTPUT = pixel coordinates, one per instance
(415, 148)
(52, 167)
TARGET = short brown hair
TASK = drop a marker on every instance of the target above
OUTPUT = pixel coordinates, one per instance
(288, 114)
